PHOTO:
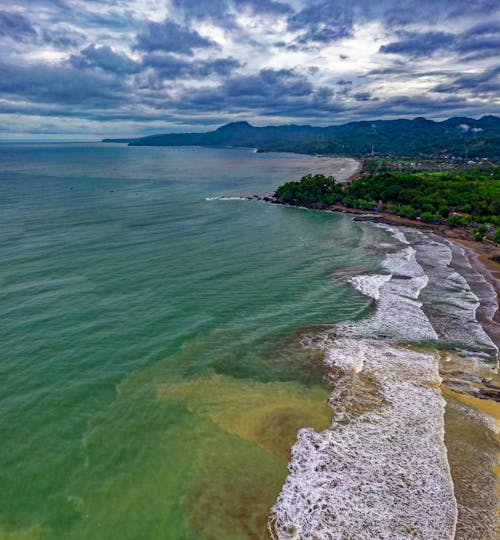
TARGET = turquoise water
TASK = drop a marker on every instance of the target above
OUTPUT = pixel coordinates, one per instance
(152, 379)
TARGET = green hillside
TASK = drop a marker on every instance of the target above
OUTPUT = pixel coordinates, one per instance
(464, 138)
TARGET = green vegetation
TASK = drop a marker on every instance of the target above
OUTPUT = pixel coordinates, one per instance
(496, 236)
(452, 141)
(465, 198)
(311, 189)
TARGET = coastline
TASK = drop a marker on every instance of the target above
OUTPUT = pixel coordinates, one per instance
(459, 405)
(479, 254)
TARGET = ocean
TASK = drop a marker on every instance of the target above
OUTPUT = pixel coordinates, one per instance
(180, 363)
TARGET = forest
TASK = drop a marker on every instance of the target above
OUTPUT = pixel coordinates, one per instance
(468, 198)
(455, 138)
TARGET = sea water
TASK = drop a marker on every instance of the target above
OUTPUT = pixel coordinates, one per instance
(179, 362)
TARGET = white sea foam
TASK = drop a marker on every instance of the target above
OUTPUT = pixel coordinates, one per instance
(396, 232)
(484, 289)
(225, 198)
(449, 302)
(381, 470)
(369, 285)
(398, 315)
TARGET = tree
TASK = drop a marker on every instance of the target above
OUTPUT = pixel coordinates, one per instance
(427, 217)
(481, 232)
(311, 189)
(496, 236)
(408, 212)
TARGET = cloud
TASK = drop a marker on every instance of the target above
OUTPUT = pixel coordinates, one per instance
(364, 96)
(485, 83)
(59, 83)
(105, 58)
(206, 61)
(269, 92)
(223, 11)
(480, 41)
(169, 36)
(15, 25)
(415, 44)
(269, 83)
(62, 37)
(403, 13)
(323, 22)
(168, 66)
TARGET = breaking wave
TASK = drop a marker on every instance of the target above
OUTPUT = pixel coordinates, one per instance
(225, 198)
(381, 469)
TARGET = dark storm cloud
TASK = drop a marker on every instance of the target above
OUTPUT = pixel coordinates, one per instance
(323, 22)
(15, 25)
(461, 8)
(416, 44)
(169, 36)
(114, 19)
(269, 83)
(222, 10)
(202, 9)
(268, 6)
(58, 83)
(63, 38)
(484, 83)
(171, 67)
(105, 58)
(364, 96)
(482, 40)
(418, 106)
(401, 13)
(269, 92)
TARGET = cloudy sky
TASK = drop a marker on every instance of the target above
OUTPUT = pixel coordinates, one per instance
(92, 68)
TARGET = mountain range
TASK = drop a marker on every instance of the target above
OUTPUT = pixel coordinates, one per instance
(457, 136)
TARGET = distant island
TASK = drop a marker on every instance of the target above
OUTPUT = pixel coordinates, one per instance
(456, 138)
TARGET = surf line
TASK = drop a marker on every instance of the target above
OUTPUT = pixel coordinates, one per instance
(381, 469)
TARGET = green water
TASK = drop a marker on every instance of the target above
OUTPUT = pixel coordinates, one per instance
(152, 379)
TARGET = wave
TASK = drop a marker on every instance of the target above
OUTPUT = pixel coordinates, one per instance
(398, 234)
(369, 285)
(381, 469)
(225, 198)
(398, 316)
(450, 303)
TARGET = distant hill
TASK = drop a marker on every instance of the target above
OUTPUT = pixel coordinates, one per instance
(459, 136)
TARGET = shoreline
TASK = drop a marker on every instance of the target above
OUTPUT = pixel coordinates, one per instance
(479, 254)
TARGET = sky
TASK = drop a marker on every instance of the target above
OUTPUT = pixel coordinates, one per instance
(86, 69)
